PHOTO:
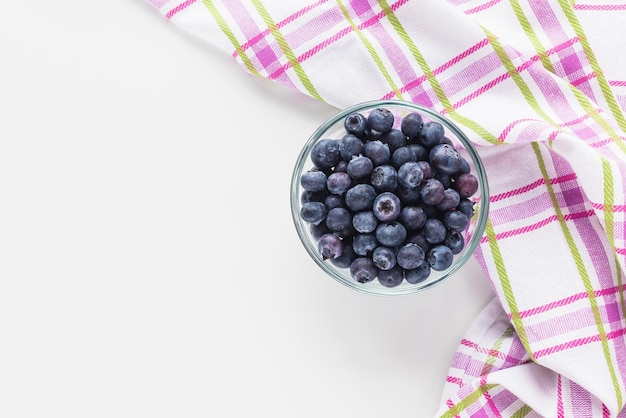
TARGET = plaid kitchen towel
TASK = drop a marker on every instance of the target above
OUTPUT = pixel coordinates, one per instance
(540, 89)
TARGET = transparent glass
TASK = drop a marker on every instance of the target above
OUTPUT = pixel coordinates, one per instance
(334, 129)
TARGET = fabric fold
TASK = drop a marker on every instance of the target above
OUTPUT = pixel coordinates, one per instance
(535, 87)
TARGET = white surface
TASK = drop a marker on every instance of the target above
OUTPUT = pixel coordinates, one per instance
(148, 263)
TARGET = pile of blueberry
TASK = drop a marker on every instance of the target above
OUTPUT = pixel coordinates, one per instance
(388, 203)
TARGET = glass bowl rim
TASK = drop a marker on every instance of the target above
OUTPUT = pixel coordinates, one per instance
(331, 270)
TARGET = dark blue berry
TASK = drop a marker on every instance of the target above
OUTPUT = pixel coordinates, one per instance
(394, 138)
(356, 124)
(325, 153)
(411, 124)
(426, 169)
(363, 270)
(451, 200)
(444, 178)
(360, 167)
(384, 258)
(313, 212)
(341, 167)
(387, 206)
(412, 217)
(434, 231)
(392, 277)
(402, 155)
(313, 196)
(445, 159)
(417, 237)
(384, 178)
(334, 201)
(313, 181)
(420, 152)
(360, 197)
(339, 220)
(432, 191)
(465, 167)
(440, 257)
(339, 183)
(380, 119)
(410, 256)
(410, 174)
(467, 207)
(455, 220)
(365, 221)
(417, 275)
(350, 146)
(330, 246)
(317, 230)
(364, 244)
(454, 241)
(431, 134)
(408, 195)
(347, 255)
(391, 234)
(378, 152)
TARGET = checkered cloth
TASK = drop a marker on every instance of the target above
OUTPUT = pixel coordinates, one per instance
(540, 89)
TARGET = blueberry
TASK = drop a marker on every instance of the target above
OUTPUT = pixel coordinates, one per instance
(313, 212)
(391, 234)
(451, 200)
(350, 146)
(444, 178)
(408, 195)
(392, 277)
(410, 256)
(410, 174)
(384, 178)
(365, 221)
(378, 152)
(432, 191)
(455, 241)
(313, 196)
(466, 185)
(426, 169)
(325, 153)
(334, 201)
(341, 167)
(394, 138)
(338, 183)
(440, 257)
(455, 220)
(412, 217)
(380, 119)
(360, 197)
(330, 246)
(360, 167)
(313, 181)
(434, 231)
(465, 167)
(467, 207)
(347, 255)
(339, 220)
(363, 270)
(420, 152)
(387, 206)
(364, 244)
(401, 156)
(445, 159)
(411, 124)
(418, 274)
(384, 258)
(431, 134)
(356, 124)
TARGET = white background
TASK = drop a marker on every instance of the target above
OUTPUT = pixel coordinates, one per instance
(148, 262)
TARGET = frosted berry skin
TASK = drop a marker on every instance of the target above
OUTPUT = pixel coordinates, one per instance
(389, 200)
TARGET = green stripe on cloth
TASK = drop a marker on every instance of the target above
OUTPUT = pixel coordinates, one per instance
(609, 224)
(284, 46)
(371, 50)
(430, 76)
(491, 358)
(221, 22)
(516, 76)
(506, 287)
(467, 401)
(568, 10)
(530, 33)
(582, 271)
(522, 412)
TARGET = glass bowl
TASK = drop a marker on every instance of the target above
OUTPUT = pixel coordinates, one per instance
(334, 128)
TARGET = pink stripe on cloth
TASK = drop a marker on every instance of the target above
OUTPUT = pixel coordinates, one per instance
(179, 8)
(599, 7)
